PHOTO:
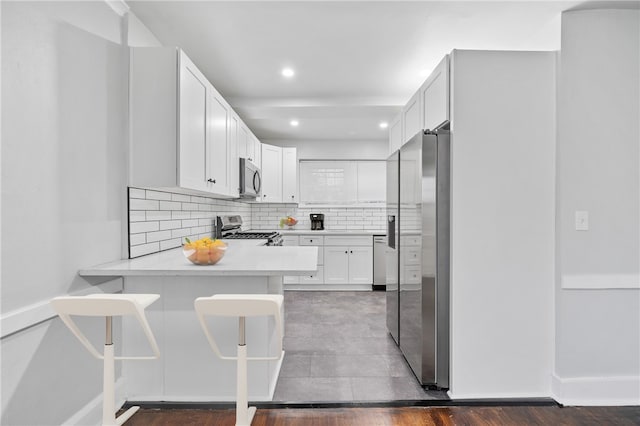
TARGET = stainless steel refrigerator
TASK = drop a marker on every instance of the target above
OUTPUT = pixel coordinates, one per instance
(417, 254)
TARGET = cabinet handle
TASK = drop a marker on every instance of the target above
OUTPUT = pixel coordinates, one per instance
(346, 252)
(211, 180)
(351, 252)
(264, 195)
(293, 196)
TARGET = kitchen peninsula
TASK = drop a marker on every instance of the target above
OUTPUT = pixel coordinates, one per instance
(188, 370)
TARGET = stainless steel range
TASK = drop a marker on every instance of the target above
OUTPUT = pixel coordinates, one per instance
(229, 227)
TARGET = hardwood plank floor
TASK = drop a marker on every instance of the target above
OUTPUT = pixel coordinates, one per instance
(398, 416)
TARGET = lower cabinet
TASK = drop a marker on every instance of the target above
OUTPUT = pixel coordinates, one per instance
(344, 262)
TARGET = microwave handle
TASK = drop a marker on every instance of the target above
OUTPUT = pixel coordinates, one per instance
(257, 186)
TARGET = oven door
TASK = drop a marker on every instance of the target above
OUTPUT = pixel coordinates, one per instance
(250, 179)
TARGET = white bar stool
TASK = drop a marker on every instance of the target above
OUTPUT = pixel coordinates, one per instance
(241, 306)
(108, 306)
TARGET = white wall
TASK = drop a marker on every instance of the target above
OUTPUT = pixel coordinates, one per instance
(337, 150)
(598, 283)
(502, 223)
(64, 139)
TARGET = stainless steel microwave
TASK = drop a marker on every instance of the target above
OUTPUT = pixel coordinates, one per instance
(250, 179)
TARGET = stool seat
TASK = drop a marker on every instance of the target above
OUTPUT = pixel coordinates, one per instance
(108, 306)
(241, 306)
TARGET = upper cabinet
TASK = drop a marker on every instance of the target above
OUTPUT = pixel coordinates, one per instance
(435, 96)
(184, 135)
(412, 117)
(428, 108)
(279, 174)
(271, 174)
(395, 134)
(289, 175)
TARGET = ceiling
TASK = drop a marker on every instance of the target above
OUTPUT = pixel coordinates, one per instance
(356, 62)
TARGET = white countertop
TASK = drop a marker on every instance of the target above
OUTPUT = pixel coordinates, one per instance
(285, 231)
(243, 258)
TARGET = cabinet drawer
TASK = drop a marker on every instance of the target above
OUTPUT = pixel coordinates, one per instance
(315, 278)
(411, 255)
(413, 275)
(348, 240)
(410, 240)
(311, 240)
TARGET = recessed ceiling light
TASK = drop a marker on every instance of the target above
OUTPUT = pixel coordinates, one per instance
(288, 72)
(294, 123)
(384, 125)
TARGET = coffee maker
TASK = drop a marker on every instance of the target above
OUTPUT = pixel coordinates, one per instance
(317, 221)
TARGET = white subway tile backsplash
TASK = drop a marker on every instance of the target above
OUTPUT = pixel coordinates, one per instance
(170, 224)
(170, 205)
(141, 250)
(137, 193)
(138, 227)
(180, 215)
(157, 195)
(169, 244)
(159, 220)
(136, 204)
(137, 239)
(158, 235)
(181, 198)
(137, 216)
(158, 215)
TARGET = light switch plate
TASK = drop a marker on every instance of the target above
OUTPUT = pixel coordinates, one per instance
(582, 220)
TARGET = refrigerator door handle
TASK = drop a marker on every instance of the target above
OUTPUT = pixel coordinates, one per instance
(391, 231)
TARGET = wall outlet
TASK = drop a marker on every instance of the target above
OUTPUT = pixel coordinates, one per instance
(582, 220)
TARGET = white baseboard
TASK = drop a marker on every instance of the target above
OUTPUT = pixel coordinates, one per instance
(592, 391)
(91, 413)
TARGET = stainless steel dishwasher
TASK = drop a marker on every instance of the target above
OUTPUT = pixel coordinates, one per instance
(379, 262)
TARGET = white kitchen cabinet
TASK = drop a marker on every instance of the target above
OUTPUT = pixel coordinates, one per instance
(257, 151)
(289, 175)
(243, 141)
(395, 134)
(193, 100)
(290, 240)
(435, 96)
(348, 260)
(372, 181)
(217, 148)
(181, 136)
(271, 174)
(233, 164)
(337, 265)
(412, 117)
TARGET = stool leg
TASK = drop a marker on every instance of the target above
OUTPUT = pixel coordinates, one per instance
(108, 386)
(244, 413)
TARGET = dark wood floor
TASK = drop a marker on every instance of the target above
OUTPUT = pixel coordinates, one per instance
(400, 416)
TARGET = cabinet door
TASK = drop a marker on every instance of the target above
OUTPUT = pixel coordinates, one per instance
(290, 240)
(435, 96)
(372, 181)
(243, 138)
(360, 265)
(336, 265)
(257, 153)
(233, 165)
(272, 174)
(289, 175)
(218, 146)
(193, 126)
(395, 134)
(412, 119)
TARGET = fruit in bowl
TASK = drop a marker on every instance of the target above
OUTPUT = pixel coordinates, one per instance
(204, 251)
(289, 221)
